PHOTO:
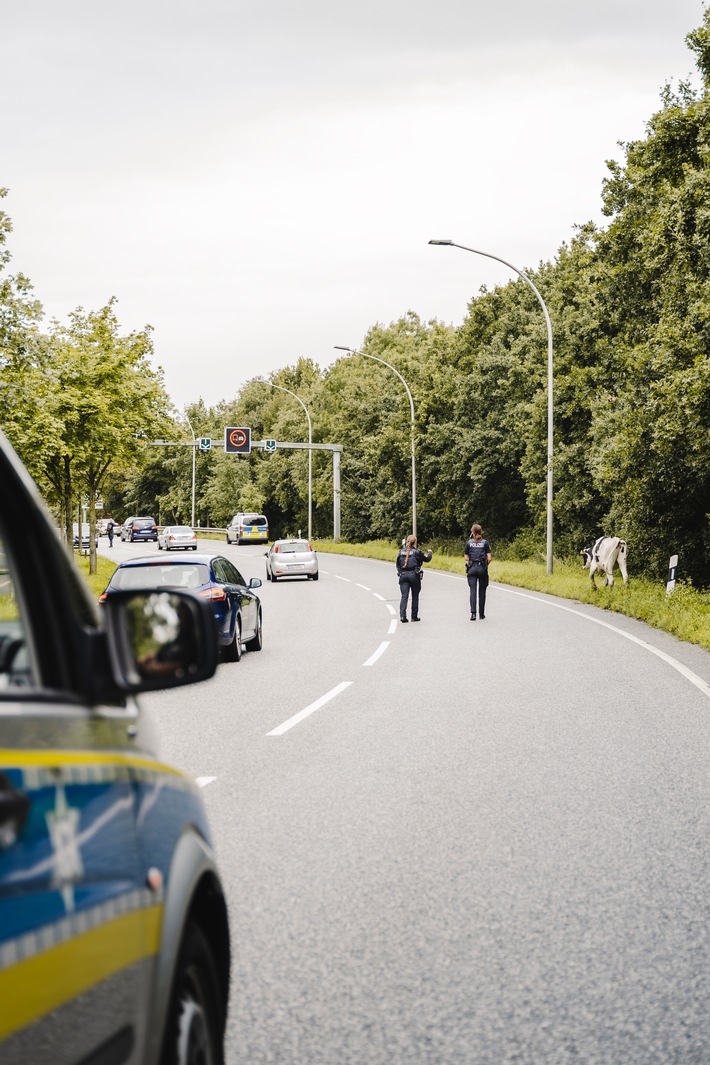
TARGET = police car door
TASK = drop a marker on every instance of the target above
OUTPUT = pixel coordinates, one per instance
(75, 920)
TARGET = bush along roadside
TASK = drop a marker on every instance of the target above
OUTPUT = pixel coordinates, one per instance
(685, 614)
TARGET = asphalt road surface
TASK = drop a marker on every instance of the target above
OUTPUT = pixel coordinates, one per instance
(455, 843)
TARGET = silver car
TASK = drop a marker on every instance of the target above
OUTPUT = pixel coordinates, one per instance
(177, 536)
(291, 558)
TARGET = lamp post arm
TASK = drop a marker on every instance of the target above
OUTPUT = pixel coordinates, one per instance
(194, 438)
(354, 351)
(550, 379)
(310, 453)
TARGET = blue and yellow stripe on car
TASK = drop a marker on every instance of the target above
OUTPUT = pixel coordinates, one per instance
(75, 907)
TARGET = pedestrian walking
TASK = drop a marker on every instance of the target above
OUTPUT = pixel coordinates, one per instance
(409, 564)
(477, 558)
(109, 531)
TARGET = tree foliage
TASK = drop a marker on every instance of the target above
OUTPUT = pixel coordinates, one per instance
(630, 308)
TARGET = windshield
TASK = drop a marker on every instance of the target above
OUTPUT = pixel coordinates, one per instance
(167, 575)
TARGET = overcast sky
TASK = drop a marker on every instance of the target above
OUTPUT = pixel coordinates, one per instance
(258, 181)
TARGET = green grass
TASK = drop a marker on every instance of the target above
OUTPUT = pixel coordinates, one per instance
(685, 614)
(96, 581)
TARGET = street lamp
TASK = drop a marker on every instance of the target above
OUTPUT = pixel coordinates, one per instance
(354, 351)
(194, 448)
(452, 244)
(310, 452)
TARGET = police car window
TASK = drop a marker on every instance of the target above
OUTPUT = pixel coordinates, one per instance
(16, 666)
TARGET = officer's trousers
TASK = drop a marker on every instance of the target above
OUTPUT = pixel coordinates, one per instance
(409, 580)
(477, 583)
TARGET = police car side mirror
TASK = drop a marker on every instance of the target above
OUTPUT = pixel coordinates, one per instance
(159, 639)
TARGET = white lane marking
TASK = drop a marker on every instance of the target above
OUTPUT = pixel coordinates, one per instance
(363, 586)
(380, 651)
(280, 729)
(380, 597)
(687, 673)
(393, 626)
(391, 609)
(339, 578)
(202, 782)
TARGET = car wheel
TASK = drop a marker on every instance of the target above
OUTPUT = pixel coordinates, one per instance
(160, 546)
(233, 652)
(315, 576)
(255, 644)
(194, 1032)
(268, 575)
(194, 547)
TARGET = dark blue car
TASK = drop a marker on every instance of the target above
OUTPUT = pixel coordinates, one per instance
(236, 609)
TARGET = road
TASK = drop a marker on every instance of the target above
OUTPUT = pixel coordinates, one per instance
(489, 844)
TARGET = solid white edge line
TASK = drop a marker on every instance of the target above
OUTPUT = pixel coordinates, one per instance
(280, 729)
(673, 662)
(202, 782)
(380, 651)
(393, 626)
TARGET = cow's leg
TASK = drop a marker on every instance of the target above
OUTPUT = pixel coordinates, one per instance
(622, 568)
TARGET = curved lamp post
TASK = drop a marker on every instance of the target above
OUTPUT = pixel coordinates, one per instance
(194, 449)
(476, 251)
(354, 351)
(310, 452)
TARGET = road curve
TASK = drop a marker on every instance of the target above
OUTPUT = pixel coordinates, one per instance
(474, 842)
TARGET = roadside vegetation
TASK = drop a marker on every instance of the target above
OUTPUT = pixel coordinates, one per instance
(96, 581)
(685, 614)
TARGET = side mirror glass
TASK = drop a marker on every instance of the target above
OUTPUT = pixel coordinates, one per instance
(255, 583)
(160, 639)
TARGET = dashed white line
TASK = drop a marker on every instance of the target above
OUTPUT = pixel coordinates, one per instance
(380, 597)
(202, 782)
(339, 578)
(393, 627)
(391, 609)
(380, 651)
(363, 586)
(280, 729)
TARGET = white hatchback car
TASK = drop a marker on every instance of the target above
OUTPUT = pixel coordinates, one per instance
(291, 558)
(176, 536)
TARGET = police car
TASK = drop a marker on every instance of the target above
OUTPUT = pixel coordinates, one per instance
(114, 937)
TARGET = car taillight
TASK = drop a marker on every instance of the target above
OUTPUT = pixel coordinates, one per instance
(276, 550)
(310, 548)
(215, 594)
(136, 528)
(155, 528)
(102, 597)
(171, 538)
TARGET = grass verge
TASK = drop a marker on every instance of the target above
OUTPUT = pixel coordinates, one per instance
(685, 613)
(96, 581)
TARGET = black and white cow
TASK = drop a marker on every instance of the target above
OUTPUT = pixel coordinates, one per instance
(607, 552)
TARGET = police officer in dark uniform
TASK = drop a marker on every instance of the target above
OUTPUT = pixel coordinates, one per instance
(409, 570)
(477, 556)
